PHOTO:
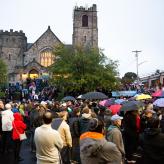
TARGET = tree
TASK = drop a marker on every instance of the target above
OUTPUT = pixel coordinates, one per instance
(3, 73)
(81, 70)
(129, 78)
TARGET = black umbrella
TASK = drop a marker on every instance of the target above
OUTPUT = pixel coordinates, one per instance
(68, 98)
(94, 96)
(131, 105)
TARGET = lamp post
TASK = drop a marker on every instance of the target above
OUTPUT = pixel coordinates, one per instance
(136, 55)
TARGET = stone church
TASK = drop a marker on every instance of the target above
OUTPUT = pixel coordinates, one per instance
(32, 59)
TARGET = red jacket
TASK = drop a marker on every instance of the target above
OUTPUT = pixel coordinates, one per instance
(18, 126)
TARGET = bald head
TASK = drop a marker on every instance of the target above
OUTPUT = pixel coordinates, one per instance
(47, 117)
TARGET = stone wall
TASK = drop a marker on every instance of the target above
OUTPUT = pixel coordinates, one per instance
(12, 46)
(47, 40)
(85, 36)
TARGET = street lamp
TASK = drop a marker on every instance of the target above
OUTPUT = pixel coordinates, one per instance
(136, 55)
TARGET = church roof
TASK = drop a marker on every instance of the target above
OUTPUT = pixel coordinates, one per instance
(48, 30)
(33, 61)
(29, 45)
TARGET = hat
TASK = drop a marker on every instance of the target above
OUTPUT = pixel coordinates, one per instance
(8, 106)
(116, 117)
(149, 111)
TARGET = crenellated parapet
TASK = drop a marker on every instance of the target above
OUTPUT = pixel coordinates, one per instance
(12, 33)
(81, 8)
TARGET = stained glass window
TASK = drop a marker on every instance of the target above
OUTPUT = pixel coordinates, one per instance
(46, 57)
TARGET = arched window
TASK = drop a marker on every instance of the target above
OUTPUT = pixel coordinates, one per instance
(46, 57)
(85, 21)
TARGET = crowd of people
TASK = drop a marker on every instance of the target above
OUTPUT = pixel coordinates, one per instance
(82, 131)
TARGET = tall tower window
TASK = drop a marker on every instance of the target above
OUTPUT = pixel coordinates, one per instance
(85, 39)
(85, 21)
(46, 57)
(9, 56)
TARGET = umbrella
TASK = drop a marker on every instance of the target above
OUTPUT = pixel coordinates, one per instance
(94, 95)
(159, 102)
(143, 97)
(79, 97)
(107, 102)
(68, 98)
(115, 108)
(159, 93)
(119, 101)
(131, 105)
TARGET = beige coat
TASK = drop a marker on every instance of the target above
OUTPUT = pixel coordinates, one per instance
(65, 133)
(47, 141)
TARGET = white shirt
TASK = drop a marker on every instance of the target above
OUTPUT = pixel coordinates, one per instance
(7, 119)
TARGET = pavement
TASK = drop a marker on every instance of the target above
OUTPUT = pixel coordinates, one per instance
(26, 154)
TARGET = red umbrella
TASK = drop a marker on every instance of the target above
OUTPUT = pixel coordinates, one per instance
(115, 108)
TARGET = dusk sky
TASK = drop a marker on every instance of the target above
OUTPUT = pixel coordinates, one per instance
(123, 26)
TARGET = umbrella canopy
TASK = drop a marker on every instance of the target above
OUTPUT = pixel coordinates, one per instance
(68, 98)
(143, 97)
(79, 97)
(107, 102)
(159, 102)
(94, 96)
(159, 93)
(115, 108)
(131, 105)
(120, 101)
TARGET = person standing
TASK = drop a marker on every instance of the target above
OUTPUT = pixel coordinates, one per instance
(147, 115)
(131, 125)
(75, 133)
(48, 142)
(114, 133)
(95, 149)
(1, 109)
(7, 119)
(152, 143)
(18, 128)
(63, 128)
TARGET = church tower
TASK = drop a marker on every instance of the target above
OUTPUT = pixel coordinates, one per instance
(85, 31)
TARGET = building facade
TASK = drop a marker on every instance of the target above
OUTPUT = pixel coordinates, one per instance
(153, 80)
(25, 60)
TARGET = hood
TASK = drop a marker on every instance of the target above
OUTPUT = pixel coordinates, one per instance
(18, 117)
(85, 115)
(91, 143)
(151, 132)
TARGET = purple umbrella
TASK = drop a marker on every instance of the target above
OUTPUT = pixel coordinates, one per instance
(159, 102)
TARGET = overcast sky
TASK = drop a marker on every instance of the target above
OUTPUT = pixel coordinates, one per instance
(123, 26)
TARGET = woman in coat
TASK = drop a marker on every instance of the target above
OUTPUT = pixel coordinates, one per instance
(18, 128)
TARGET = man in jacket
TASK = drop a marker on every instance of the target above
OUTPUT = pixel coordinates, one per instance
(48, 142)
(114, 134)
(7, 119)
(95, 149)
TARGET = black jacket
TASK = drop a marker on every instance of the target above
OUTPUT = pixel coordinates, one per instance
(153, 146)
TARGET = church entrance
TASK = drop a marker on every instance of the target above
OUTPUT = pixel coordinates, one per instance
(34, 74)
